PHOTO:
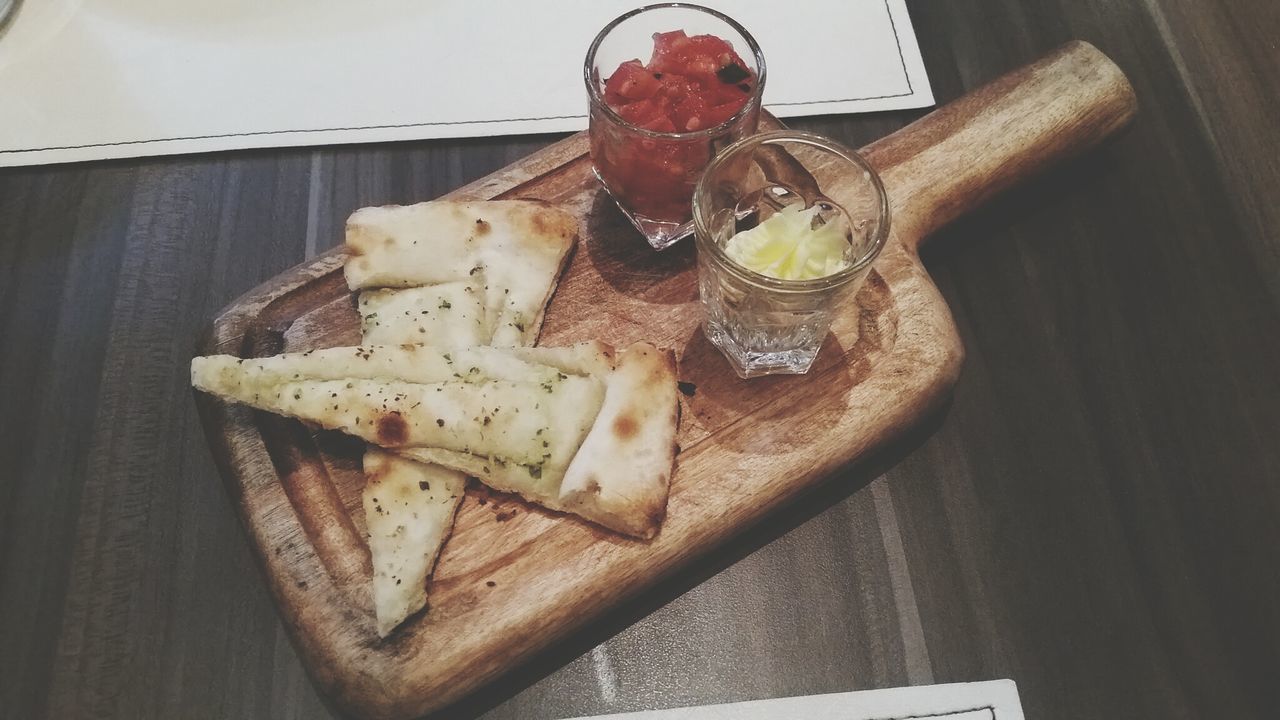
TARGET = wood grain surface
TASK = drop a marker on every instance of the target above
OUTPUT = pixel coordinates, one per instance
(1094, 514)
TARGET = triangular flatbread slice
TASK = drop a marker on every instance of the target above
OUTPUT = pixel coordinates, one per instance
(409, 506)
(448, 315)
(584, 429)
(409, 509)
(512, 253)
(516, 248)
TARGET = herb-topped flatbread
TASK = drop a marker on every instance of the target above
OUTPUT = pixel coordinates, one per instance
(448, 274)
(450, 315)
(513, 249)
(408, 510)
(585, 429)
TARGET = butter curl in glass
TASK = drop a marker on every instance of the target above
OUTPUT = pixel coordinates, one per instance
(668, 87)
(787, 226)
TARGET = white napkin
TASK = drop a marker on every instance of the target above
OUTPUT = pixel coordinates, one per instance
(92, 79)
(993, 700)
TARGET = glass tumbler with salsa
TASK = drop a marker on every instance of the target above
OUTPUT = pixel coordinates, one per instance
(669, 86)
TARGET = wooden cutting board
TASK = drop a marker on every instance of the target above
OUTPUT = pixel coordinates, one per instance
(514, 578)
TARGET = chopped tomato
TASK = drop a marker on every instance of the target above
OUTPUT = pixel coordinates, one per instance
(702, 79)
(720, 113)
(630, 82)
(699, 56)
(689, 84)
(650, 114)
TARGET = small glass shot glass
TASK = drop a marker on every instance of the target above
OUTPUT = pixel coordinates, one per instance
(762, 324)
(651, 174)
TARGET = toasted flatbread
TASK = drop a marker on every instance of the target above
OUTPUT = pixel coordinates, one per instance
(409, 509)
(409, 506)
(518, 247)
(412, 534)
(620, 475)
(449, 315)
(584, 429)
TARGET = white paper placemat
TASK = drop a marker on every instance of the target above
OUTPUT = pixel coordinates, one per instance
(93, 79)
(994, 700)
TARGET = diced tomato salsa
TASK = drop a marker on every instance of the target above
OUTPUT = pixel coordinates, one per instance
(689, 84)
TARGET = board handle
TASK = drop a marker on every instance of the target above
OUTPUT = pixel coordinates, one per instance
(959, 156)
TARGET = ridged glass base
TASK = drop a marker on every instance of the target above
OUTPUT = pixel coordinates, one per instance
(659, 233)
(755, 363)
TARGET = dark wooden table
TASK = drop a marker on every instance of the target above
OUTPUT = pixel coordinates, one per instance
(1096, 514)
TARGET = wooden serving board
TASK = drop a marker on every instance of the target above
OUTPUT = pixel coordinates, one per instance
(514, 578)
